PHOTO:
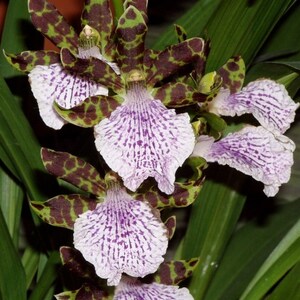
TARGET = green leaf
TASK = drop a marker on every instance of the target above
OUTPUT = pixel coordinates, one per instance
(30, 260)
(240, 28)
(73, 170)
(47, 278)
(212, 221)
(289, 287)
(191, 21)
(19, 143)
(63, 210)
(11, 201)
(12, 275)
(248, 249)
(280, 260)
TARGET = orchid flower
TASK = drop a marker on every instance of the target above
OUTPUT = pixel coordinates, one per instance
(262, 152)
(141, 137)
(131, 289)
(162, 285)
(121, 235)
(254, 151)
(50, 82)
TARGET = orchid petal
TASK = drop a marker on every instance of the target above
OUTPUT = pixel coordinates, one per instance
(133, 289)
(254, 151)
(53, 83)
(143, 138)
(121, 235)
(267, 100)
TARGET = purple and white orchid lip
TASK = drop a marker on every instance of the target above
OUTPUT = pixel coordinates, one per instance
(53, 83)
(121, 235)
(267, 100)
(142, 138)
(254, 151)
(132, 289)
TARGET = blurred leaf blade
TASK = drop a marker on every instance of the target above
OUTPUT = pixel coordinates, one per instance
(212, 221)
(282, 259)
(12, 275)
(241, 27)
(11, 200)
(189, 21)
(248, 249)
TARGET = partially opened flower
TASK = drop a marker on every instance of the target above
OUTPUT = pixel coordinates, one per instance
(50, 82)
(141, 138)
(132, 289)
(254, 151)
(121, 235)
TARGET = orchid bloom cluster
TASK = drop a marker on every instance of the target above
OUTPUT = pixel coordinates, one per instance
(107, 79)
(263, 151)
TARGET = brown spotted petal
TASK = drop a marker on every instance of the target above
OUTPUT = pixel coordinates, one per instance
(130, 288)
(121, 235)
(74, 262)
(178, 94)
(141, 5)
(91, 111)
(172, 59)
(175, 271)
(62, 210)
(48, 20)
(131, 31)
(73, 170)
(27, 60)
(233, 74)
(142, 138)
(95, 69)
(98, 15)
(53, 83)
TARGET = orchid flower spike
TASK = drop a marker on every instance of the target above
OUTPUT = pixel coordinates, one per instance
(265, 99)
(254, 151)
(121, 235)
(132, 288)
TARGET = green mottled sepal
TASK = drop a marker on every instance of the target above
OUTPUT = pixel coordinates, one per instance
(48, 20)
(185, 193)
(171, 226)
(233, 74)
(93, 68)
(63, 210)
(86, 292)
(91, 111)
(172, 59)
(178, 95)
(141, 6)
(131, 31)
(98, 14)
(180, 33)
(27, 60)
(73, 170)
(173, 272)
